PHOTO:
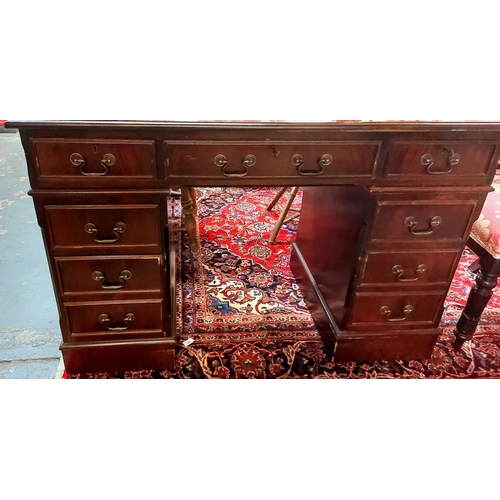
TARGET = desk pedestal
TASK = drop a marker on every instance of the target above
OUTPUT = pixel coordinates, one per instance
(375, 266)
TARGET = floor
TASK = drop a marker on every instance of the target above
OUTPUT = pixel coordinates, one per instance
(29, 321)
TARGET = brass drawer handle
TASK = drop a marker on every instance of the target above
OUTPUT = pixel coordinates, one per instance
(411, 223)
(386, 310)
(79, 161)
(298, 161)
(428, 161)
(120, 327)
(453, 158)
(124, 276)
(399, 271)
(108, 160)
(248, 161)
(119, 228)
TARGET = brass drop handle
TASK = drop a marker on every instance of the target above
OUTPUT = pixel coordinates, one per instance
(120, 228)
(79, 161)
(412, 224)
(399, 271)
(386, 310)
(248, 161)
(124, 276)
(119, 327)
(428, 161)
(298, 162)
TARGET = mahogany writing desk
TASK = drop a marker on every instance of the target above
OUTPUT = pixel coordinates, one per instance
(386, 212)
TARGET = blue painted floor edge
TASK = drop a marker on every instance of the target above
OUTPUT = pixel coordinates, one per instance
(29, 320)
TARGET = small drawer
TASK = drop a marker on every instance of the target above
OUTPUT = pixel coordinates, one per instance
(268, 159)
(409, 268)
(433, 161)
(94, 159)
(423, 221)
(119, 228)
(397, 310)
(114, 320)
(108, 275)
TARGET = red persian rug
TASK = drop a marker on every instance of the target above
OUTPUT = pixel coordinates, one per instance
(239, 303)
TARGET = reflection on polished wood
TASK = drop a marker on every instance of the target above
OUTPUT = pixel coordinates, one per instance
(190, 210)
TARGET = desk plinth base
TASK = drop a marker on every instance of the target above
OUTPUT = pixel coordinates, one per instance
(343, 345)
(118, 356)
(417, 345)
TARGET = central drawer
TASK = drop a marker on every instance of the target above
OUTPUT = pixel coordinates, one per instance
(271, 159)
(104, 228)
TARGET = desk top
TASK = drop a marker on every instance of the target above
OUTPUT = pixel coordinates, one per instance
(349, 125)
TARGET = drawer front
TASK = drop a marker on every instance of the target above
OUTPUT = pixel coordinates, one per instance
(95, 159)
(271, 159)
(108, 275)
(397, 310)
(409, 269)
(127, 228)
(435, 161)
(423, 221)
(114, 320)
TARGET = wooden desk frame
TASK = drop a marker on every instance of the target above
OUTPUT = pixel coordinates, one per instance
(386, 213)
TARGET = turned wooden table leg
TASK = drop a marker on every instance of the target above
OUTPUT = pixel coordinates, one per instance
(477, 301)
(190, 209)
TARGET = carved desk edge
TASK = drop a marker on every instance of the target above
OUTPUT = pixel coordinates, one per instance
(348, 125)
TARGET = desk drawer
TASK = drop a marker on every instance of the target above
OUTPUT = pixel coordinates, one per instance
(397, 310)
(122, 228)
(423, 221)
(115, 320)
(434, 161)
(94, 159)
(406, 269)
(271, 159)
(108, 275)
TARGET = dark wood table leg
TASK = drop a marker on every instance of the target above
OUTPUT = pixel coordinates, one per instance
(477, 301)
